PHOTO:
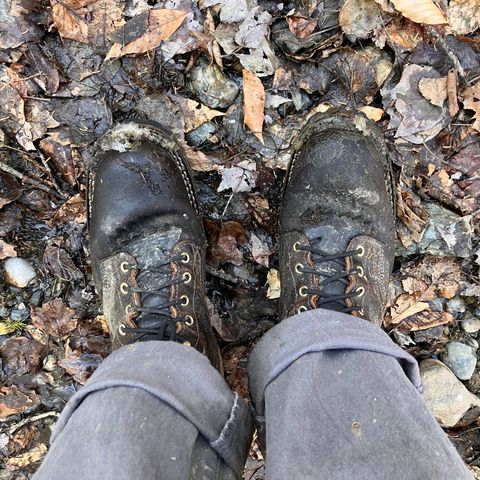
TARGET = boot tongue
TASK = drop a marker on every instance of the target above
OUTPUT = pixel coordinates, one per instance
(152, 252)
(328, 240)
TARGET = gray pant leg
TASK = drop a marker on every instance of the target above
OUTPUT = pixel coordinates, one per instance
(153, 410)
(340, 400)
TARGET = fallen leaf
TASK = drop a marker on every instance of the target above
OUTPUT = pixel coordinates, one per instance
(373, 113)
(240, 178)
(463, 16)
(424, 320)
(224, 241)
(32, 456)
(359, 18)
(413, 215)
(420, 11)
(194, 113)
(15, 27)
(9, 189)
(273, 281)
(452, 92)
(160, 26)
(7, 250)
(72, 211)
(301, 26)
(87, 21)
(60, 264)
(21, 355)
(415, 308)
(57, 148)
(54, 318)
(13, 401)
(254, 103)
(434, 90)
(80, 365)
(471, 101)
(260, 250)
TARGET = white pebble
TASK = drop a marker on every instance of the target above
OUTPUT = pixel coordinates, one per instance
(18, 272)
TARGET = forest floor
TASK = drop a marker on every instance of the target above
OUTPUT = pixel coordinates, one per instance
(234, 81)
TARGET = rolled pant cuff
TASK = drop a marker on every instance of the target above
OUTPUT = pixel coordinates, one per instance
(315, 331)
(185, 380)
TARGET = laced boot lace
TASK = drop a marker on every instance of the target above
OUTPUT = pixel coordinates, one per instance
(160, 325)
(336, 302)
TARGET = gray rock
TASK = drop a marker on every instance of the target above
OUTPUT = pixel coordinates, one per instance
(37, 298)
(470, 323)
(446, 397)
(211, 86)
(456, 306)
(18, 272)
(201, 134)
(461, 358)
(19, 314)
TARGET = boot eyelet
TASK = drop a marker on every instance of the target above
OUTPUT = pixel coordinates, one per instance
(187, 277)
(296, 247)
(360, 271)
(121, 330)
(302, 291)
(361, 312)
(360, 291)
(187, 344)
(186, 300)
(185, 257)
(128, 309)
(362, 251)
(189, 320)
(125, 267)
(124, 288)
(299, 268)
(301, 309)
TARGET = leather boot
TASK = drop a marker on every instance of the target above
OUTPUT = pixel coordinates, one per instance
(147, 241)
(337, 219)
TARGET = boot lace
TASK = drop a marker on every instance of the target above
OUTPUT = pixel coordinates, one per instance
(161, 325)
(337, 302)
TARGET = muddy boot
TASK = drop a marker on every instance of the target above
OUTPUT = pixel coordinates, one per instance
(337, 221)
(147, 241)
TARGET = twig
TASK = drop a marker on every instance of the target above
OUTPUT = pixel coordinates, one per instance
(24, 178)
(27, 420)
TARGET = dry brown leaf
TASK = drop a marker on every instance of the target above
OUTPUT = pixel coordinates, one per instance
(426, 319)
(32, 456)
(273, 281)
(162, 24)
(420, 11)
(471, 101)
(54, 318)
(254, 103)
(301, 26)
(412, 310)
(463, 16)
(87, 21)
(372, 113)
(7, 250)
(194, 113)
(413, 215)
(434, 90)
(452, 92)
(73, 210)
(360, 17)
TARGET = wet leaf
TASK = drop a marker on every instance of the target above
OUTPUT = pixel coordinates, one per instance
(7, 250)
(80, 365)
(359, 18)
(301, 26)
(254, 103)
(240, 178)
(13, 400)
(60, 264)
(21, 355)
(15, 27)
(54, 318)
(420, 11)
(224, 241)
(160, 26)
(73, 210)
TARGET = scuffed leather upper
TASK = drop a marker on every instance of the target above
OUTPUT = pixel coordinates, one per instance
(337, 189)
(142, 215)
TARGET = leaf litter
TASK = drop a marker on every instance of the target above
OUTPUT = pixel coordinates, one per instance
(234, 81)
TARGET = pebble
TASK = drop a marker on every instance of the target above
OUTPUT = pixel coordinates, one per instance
(446, 397)
(211, 86)
(456, 305)
(18, 272)
(19, 314)
(461, 358)
(470, 323)
(201, 134)
(37, 298)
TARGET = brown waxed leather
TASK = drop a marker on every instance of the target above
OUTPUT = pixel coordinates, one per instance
(146, 233)
(337, 198)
